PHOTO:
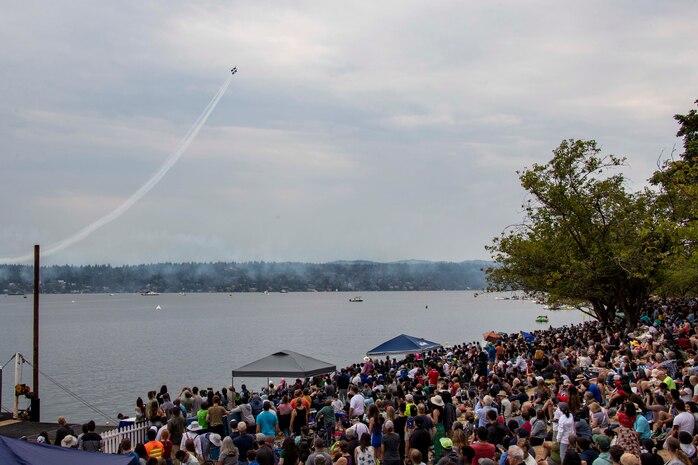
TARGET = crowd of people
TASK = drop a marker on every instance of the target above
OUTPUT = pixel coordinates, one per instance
(584, 394)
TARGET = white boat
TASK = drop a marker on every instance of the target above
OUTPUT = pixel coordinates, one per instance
(356, 299)
(149, 293)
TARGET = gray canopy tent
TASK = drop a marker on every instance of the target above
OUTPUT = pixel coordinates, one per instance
(285, 363)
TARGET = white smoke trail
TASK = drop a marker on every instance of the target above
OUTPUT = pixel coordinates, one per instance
(136, 196)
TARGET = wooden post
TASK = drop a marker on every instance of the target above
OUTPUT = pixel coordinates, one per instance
(35, 404)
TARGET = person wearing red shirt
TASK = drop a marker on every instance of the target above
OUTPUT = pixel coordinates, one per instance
(482, 448)
(433, 376)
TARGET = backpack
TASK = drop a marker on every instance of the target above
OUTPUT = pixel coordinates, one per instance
(208, 450)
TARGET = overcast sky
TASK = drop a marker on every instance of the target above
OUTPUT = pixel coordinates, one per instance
(353, 130)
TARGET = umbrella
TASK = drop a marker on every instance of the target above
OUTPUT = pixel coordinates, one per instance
(528, 336)
(491, 336)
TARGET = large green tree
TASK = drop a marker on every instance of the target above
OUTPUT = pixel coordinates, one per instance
(584, 239)
(678, 179)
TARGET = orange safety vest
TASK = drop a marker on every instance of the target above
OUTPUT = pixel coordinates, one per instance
(154, 449)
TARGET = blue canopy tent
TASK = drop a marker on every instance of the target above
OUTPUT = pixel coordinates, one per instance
(403, 344)
(18, 452)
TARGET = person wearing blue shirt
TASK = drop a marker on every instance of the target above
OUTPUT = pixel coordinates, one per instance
(594, 389)
(267, 421)
(642, 426)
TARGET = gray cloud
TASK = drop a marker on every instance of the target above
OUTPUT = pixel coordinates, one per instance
(355, 130)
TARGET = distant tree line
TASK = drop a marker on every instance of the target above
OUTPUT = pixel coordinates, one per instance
(248, 277)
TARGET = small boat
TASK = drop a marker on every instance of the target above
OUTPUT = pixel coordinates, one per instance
(15, 293)
(158, 308)
(542, 319)
(356, 299)
(149, 293)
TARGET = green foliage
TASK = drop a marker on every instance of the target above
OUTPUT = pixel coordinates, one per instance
(678, 180)
(584, 238)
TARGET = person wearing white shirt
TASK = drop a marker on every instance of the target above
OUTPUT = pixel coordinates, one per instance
(337, 405)
(192, 433)
(356, 404)
(565, 427)
(360, 429)
(684, 421)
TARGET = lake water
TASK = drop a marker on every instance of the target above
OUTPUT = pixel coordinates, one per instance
(112, 349)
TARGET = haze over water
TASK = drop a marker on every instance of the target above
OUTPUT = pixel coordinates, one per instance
(112, 349)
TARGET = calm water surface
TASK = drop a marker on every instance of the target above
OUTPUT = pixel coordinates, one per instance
(112, 349)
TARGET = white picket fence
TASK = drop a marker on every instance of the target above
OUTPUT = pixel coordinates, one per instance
(135, 432)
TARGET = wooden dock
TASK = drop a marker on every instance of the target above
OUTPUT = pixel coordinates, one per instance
(18, 428)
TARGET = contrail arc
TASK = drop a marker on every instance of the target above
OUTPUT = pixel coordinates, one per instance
(136, 196)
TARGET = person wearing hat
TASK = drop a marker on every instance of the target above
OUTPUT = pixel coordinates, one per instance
(603, 443)
(192, 433)
(410, 406)
(368, 366)
(437, 417)
(449, 454)
(69, 442)
(211, 446)
(505, 403)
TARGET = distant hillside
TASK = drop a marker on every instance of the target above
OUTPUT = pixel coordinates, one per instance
(250, 277)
